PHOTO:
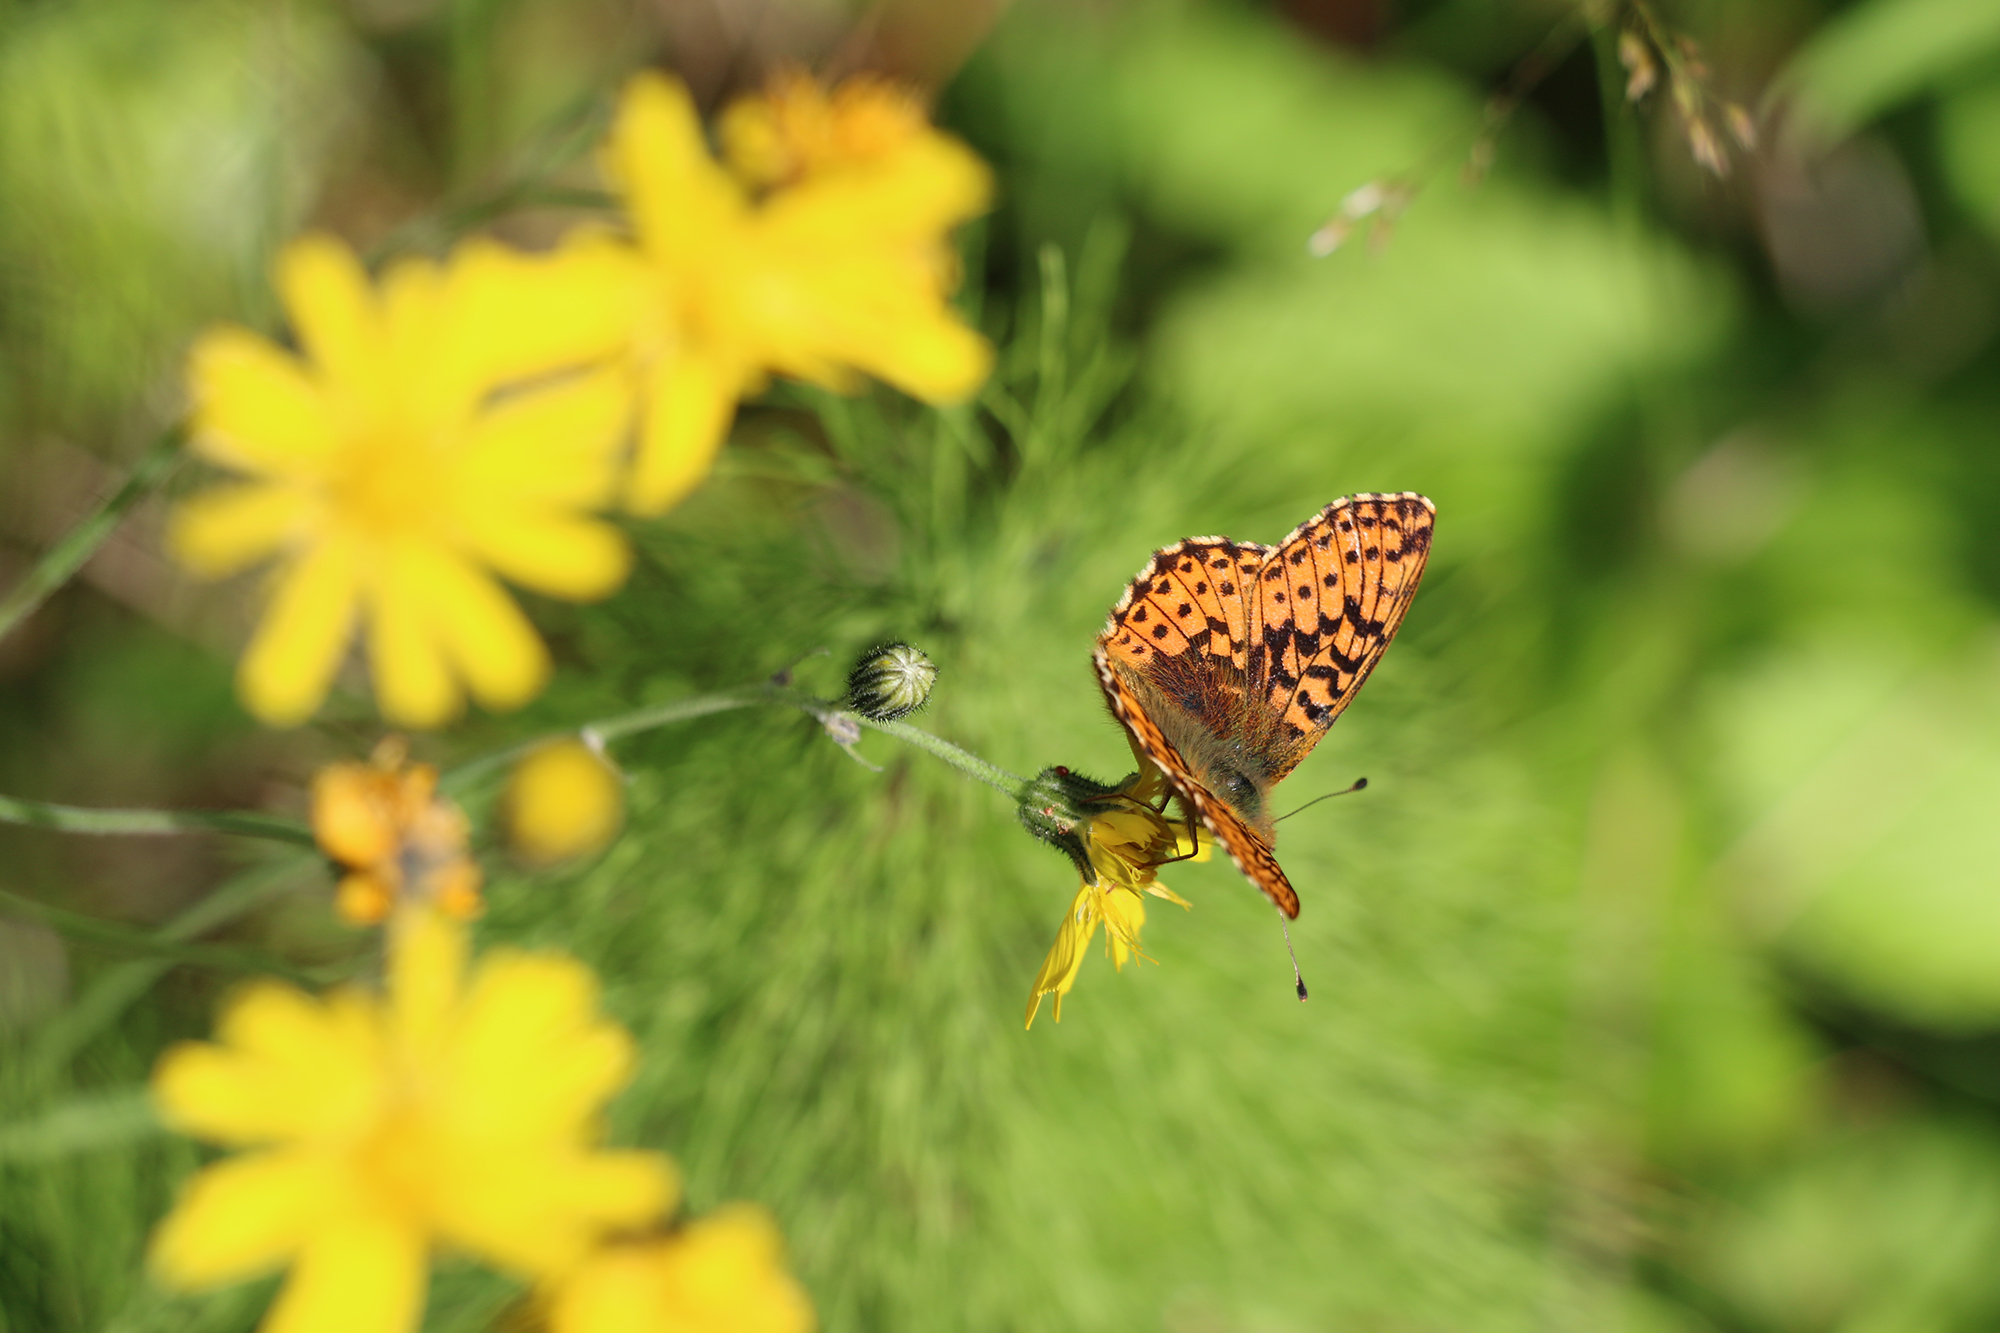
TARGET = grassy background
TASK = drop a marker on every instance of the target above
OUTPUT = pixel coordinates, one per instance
(1654, 977)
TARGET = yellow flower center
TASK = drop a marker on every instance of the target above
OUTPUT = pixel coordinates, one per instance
(386, 483)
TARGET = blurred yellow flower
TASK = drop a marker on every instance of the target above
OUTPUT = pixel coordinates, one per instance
(391, 482)
(842, 271)
(563, 800)
(398, 840)
(1127, 841)
(799, 129)
(722, 1274)
(454, 1112)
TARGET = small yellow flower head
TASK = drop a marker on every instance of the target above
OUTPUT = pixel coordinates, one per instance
(398, 840)
(1123, 840)
(798, 129)
(722, 1274)
(564, 800)
(454, 1112)
(891, 682)
(390, 481)
(838, 274)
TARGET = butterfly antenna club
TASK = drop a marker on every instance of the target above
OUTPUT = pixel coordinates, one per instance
(1359, 784)
(1297, 977)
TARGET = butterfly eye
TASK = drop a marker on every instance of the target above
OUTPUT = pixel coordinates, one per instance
(1238, 787)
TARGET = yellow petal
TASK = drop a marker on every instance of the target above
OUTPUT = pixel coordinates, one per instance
(882, 312)
(1059, 969)
(413, 684)
(418, 343)
(726, 1271)
(478, 629)
(226, 529)
(532, 1046)
(539, 1213)
(287, 1067)
(291, 659)
(510, 316)
(244, 1216)
(556, 446)
(579, 559)
(690, 400)
(255, 407)
(1124, 917)
(357, 1273)
(333, 310)
(920, 191)
(618, 1290)
(427, 955)
(679, 198)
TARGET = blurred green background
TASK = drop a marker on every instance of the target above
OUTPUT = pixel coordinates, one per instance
(1656, 977)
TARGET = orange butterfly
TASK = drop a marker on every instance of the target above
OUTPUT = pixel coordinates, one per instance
(1227, 661)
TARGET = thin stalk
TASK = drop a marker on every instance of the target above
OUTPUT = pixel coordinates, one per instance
(963, 760)
(682, 710)
(82, 819)
(67, 556)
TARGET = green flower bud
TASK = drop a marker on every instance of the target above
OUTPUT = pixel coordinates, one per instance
(1053, 807)
(891, 681)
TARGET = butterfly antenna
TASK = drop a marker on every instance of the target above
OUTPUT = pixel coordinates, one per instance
(1297, 976)
(1360, 784)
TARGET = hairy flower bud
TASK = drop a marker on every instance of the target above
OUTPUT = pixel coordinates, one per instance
(890, 682)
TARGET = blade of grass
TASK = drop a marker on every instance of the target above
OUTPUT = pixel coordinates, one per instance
(109, 995)
(67, 556)
(83, 819)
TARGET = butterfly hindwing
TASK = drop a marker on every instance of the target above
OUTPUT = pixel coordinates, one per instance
(1249, 849)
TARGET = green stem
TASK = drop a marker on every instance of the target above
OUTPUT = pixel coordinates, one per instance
(701, 705)
(963, 760)
(67, 556)
(81, 819)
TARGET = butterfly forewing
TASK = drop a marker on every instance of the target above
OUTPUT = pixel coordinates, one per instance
(1328, 602)
(1195, 595)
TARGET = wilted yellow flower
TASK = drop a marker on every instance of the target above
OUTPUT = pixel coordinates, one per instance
(843, 271)
(722, 1274)
(563, 800)
(398, 840)
(453, 1112)
(391, 483)
(1127, 841)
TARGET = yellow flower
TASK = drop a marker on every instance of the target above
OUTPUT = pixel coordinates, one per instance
(798, 129)
(1126, 840)
(563, 800)
(453, 1112)
(391, 481)
(842, 271)
(722, 1274)
(398, 840)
